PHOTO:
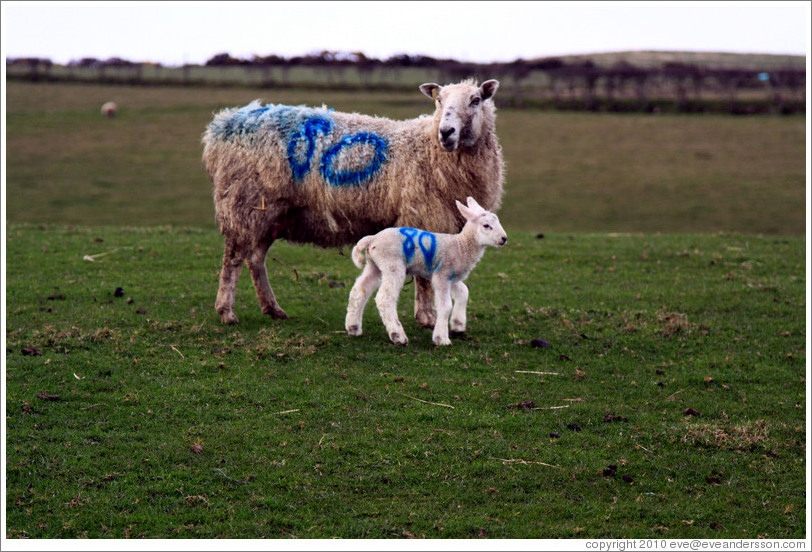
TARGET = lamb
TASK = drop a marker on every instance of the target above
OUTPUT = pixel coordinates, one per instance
(314, 175)
(109, 109)
(445, 259)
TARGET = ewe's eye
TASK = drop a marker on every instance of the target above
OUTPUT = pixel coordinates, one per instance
(487, 226)
(475, 100)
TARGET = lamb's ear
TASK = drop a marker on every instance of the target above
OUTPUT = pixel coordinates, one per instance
(430, 89)
(489, 88)
(466, 212)
(473, 205)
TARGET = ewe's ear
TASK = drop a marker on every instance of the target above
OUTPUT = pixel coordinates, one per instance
(489, 88)
(430, 89)
(466, 212)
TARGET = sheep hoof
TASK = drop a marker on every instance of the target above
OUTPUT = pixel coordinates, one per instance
(229, 318)
(398, 339)
(354, 330)
(440, 341)
(426, 319)
(275, 311)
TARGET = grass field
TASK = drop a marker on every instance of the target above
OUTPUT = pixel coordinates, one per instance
(679, 360)
(639, 371)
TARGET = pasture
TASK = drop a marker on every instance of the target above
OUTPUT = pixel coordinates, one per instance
(638, 371)
(572, 172)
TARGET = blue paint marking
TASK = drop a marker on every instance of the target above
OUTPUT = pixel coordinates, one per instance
(300, 161)
(250, 119)
(429, 249)
(302, 130)
(345, 177)
(408, 243)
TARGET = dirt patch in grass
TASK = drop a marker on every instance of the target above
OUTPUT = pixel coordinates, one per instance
(742, 437)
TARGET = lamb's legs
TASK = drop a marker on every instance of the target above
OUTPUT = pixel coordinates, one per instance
(423, 311)
(442, 304)
(365, 285)
(387, 301)
(259, 273)
(233, 257)
(459, 294)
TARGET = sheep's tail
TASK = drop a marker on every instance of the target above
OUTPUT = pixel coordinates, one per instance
(358, 251)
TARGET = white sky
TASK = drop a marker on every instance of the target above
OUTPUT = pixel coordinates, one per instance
(192, 32)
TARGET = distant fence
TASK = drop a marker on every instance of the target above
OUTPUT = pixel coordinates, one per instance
(622, 87)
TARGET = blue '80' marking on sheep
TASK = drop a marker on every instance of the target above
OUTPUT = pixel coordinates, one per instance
(306, 138)
(412, 235)
(349, 177)
(314, 175)
(346, 159)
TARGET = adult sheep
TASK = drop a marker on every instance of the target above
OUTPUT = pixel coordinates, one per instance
(314, 175)
(109, 109)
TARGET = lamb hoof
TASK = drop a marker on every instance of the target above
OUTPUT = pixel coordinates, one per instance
(440, 341)
(457, 326)
(398, 339)
(354, 330)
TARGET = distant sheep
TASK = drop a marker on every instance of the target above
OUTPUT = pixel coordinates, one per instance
(109, 109)
(314, 175)
(444, 259)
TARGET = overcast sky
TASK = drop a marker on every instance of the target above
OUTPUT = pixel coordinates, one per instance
(192, 32)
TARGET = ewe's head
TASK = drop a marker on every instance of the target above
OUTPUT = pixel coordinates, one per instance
(486, 224)
(462, 111)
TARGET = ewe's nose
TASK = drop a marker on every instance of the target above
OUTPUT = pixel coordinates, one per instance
(445, 133)
(503, 242)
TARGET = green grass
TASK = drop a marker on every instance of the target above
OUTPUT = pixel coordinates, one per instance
(565, 172)
(671, 280)
(306, 432)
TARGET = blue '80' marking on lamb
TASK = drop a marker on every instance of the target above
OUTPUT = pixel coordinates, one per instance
(314, 175)
(412, 235)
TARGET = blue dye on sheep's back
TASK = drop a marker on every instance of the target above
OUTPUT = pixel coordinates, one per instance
(285, 120)
(302, 129)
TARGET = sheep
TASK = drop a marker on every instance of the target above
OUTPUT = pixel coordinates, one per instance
(109, 109)
(314, 175)
(445, 259)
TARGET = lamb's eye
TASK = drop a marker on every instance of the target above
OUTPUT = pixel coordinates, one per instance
(486, 226)
(475, 100)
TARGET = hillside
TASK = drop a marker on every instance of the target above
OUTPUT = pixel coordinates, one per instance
(710, 60)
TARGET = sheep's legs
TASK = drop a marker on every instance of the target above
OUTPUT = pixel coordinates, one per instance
(259, 273)
(233, 257)
(365, 285)
(459, 295)
(423, 311)
(387, 301)
(442, 303)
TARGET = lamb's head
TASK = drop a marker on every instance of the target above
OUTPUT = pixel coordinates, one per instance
(462, 111)
(486, 226)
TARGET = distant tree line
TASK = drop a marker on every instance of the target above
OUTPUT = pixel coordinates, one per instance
(554, 83)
